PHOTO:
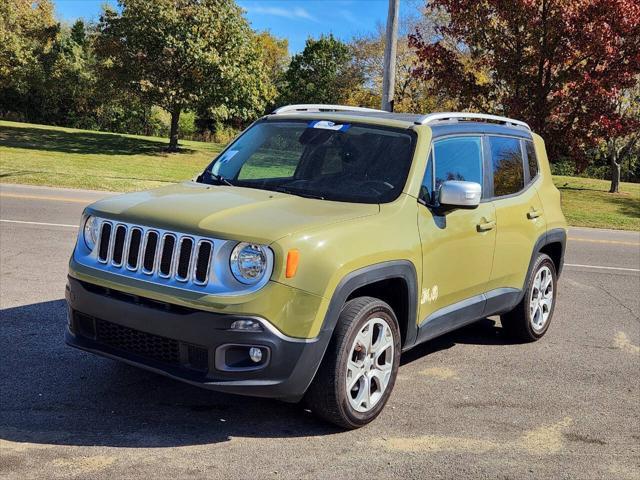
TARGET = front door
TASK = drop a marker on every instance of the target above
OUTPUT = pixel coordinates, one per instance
(458, 247)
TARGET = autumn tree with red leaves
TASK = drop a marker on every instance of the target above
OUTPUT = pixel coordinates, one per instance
(560, 65)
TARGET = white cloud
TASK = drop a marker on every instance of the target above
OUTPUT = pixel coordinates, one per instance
(291, 13)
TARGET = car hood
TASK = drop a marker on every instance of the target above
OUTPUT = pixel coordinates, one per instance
(227, 212)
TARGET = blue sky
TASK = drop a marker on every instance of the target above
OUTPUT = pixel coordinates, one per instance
(292, 19)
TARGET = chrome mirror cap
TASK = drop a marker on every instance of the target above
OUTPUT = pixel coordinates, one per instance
(454, 193)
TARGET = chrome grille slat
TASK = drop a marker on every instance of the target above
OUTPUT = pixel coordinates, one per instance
(120, 231)
(134, 263)
(164, 249)
(181, 260)
(105, 236)
(202, 244)
(149, 234)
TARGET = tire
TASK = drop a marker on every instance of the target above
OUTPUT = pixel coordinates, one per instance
(328, 395)
(530, 320)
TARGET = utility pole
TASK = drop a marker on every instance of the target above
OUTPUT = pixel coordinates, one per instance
(390, 48)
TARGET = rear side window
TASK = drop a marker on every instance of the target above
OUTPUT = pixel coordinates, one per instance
(458, 158)
(532, 160)
(508, 170)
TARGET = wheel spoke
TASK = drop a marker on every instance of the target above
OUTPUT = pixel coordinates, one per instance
(537, 282)
(537, 316)
(364, 394)
(356, 372)
(380, 339)
(364, 339)
(382, 345)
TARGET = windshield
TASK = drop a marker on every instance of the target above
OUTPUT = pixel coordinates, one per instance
(318, 159)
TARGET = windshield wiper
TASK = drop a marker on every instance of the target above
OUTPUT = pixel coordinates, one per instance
(299, 193)
(220, 179)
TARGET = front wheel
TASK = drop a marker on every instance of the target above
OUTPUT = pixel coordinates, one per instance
(531, 318)
(360, 366)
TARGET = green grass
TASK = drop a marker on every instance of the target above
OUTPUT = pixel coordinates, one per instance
(587, 203)
(65, 157)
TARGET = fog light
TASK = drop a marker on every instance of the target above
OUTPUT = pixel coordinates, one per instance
(255, 354)
(246, 325)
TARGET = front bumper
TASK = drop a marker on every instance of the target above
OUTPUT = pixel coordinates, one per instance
(188, 344)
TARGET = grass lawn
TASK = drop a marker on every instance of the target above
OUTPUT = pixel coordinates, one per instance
(65, 157)
(587, 203)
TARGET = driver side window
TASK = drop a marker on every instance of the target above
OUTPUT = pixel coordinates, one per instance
(458, 158)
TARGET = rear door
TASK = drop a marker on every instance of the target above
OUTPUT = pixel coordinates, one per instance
(519, 212)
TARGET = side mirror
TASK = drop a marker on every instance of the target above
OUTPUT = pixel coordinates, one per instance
(458, 194)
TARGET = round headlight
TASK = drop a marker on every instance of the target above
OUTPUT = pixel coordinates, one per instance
(90, 231)
(248, 263)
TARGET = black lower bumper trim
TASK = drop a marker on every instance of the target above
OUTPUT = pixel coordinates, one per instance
(182, 344)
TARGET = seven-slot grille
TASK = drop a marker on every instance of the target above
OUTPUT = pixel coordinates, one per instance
(168, 255)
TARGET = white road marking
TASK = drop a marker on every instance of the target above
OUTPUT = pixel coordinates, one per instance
(602, 267)
(39, 223)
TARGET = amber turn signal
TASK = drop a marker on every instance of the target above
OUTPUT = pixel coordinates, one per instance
(293, 257)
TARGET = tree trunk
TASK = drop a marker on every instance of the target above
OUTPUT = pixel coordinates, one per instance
(615, 175)
(173, 134)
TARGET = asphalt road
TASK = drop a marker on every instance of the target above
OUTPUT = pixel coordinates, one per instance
(468, 405)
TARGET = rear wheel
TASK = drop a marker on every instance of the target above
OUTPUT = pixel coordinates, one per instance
(360, 366)
(531, 318)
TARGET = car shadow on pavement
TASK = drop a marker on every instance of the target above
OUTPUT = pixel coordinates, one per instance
(53, 394)
(482, 332)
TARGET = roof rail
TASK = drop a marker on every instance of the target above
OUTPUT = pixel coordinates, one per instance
(313, 107)
(455, 116)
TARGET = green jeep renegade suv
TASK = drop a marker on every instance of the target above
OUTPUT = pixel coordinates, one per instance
(317, 247)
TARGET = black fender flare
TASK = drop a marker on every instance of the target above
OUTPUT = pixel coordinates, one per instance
(556, 235)
(403, 269)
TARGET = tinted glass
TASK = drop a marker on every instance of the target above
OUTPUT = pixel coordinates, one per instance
(343, 162)
(426, 190)
(458, 159)
(508, 174)
(532, 160)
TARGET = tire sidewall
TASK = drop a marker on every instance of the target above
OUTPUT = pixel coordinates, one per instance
(377, 310)
(542, 261)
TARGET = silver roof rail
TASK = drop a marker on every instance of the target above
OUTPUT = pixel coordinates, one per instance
(318, 107)
(455, 116)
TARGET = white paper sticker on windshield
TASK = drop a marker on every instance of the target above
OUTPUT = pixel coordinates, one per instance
(328, 125)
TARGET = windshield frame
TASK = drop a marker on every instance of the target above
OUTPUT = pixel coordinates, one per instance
(209, 178)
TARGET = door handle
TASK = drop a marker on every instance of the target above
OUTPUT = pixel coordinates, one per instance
(485, 226)
(533, 214)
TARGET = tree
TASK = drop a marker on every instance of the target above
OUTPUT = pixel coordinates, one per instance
(619, 147)
(184, 54)
(560, 65)
(275, 57)
(28, 31)
(321, 73)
